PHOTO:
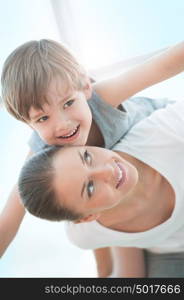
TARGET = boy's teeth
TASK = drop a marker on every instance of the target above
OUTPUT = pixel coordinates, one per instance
(70, 134)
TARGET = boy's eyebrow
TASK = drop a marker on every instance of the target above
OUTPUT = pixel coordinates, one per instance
(37, 115)
(70, 95)
(84, 185)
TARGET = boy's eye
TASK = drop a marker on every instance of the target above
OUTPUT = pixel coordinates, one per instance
(68, 103)
(87, 157)
(90, 188)
(43, 119)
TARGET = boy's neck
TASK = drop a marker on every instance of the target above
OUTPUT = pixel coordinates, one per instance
(95, 137)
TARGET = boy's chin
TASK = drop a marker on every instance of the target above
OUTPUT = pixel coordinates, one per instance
(78, 142)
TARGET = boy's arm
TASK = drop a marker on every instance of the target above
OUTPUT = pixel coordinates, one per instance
(160, 67)
(11, 218)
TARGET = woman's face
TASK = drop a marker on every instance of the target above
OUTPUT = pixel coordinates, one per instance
(89, 180)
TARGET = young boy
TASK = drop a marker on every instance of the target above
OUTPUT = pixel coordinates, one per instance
(44, 86)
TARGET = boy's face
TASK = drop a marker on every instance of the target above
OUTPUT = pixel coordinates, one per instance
(66, 119)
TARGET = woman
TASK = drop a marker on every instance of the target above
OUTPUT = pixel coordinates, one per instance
(129, 197)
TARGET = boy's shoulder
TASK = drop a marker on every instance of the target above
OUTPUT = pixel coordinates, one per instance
(35, 143)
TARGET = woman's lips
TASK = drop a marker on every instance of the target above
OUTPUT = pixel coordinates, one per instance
(121, 174)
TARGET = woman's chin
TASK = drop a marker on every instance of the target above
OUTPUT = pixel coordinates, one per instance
(130, 180)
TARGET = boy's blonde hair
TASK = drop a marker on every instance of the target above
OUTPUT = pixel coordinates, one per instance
(29, 69)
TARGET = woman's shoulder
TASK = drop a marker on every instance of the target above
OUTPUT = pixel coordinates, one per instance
(82, 235)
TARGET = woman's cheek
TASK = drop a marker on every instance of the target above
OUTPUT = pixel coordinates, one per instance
(106, 196)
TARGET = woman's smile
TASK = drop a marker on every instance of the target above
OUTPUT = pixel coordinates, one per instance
(92, 179)
(121, 174)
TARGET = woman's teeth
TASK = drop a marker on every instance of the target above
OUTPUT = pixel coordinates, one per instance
(121, 175)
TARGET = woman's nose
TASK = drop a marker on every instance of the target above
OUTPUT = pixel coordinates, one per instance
(105, 172)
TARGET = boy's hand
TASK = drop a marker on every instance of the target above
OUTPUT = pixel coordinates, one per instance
(11, 217)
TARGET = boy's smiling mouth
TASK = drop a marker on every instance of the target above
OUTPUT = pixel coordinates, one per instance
(71, 135)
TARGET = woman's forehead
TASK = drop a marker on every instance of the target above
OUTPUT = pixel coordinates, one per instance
(69, 176)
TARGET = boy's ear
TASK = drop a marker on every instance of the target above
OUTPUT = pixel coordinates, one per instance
(88, 89)
(88, 218)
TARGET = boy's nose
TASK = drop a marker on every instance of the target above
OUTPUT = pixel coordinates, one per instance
(104, 172)
(63, 124)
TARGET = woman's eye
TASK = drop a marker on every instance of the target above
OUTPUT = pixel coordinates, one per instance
(90, 188)
(43, 119)
(87, 157)
(68, 103)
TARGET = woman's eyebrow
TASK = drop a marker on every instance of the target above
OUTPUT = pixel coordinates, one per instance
(83, 188)
(81, 157)
(84, 185)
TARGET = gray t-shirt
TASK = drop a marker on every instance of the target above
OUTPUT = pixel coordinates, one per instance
(113, 123)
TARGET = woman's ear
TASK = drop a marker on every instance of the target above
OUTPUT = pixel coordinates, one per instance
(88, 218)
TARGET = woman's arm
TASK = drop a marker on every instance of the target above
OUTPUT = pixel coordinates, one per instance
(11, 218)
(160, 67)
(120, 262)
(103, 257)
(128, 262)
